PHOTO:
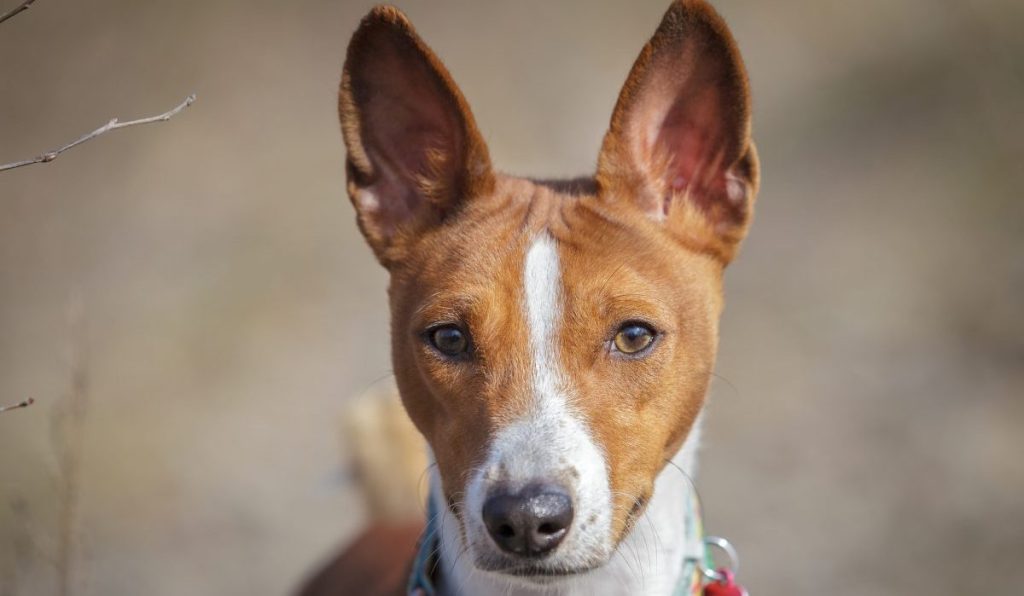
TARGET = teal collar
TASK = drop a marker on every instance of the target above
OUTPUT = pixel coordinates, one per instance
(424, 566)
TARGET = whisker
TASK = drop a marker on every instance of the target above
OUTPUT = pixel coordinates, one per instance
(731, 385)
(689, 480)
(419, 486)
(608, 279)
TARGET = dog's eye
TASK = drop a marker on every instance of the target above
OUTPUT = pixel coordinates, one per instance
(449, 340)
(633, 338)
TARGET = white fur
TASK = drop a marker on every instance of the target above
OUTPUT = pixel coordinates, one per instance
(367, 200)
(646, 563)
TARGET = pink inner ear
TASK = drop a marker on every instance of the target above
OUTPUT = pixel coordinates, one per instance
(684, 114)
(412, 131)
(694, 144)
(679, 144)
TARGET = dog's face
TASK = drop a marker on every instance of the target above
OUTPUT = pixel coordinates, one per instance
(552, 341)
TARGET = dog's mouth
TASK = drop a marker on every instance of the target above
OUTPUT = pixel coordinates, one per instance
(540, 573)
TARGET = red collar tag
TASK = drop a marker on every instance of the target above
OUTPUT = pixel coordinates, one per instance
(727, 586)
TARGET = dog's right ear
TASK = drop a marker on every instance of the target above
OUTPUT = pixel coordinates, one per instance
(414, 152)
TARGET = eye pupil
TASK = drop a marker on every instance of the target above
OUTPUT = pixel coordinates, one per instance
(633, 338)
(449, 340)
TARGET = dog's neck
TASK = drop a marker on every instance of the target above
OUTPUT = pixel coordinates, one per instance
(648, 562)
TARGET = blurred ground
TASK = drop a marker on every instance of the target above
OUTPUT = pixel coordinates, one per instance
(867, 432)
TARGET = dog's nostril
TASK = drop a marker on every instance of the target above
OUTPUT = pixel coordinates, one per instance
(530, 522)
(506, 531)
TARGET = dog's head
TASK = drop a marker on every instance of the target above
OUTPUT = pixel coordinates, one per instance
(553, 341)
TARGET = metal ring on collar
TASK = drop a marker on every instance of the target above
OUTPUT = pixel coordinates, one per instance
(734, 558)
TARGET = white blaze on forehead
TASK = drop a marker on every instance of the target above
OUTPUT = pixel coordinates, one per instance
(550, 443)
(542, 289)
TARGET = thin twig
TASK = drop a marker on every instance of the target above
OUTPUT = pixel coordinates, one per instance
(109, 126)
(17, 9)
(28, 402)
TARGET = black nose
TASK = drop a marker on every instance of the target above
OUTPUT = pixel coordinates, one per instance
(530, 522)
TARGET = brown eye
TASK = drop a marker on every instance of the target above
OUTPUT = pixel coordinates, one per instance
(634, 338)
(449, 340)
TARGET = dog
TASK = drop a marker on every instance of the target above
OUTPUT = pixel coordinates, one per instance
(553, 341)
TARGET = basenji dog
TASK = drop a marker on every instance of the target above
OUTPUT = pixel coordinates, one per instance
(553, 341)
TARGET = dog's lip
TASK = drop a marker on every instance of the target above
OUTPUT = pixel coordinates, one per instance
(529, 571)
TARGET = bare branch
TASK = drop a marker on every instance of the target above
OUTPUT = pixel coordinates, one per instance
(17, 9)
(28, 402)
(109, 126)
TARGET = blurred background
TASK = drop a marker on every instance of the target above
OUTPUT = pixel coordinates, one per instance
(191, 305)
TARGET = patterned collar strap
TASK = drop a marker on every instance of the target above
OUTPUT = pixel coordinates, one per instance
(691, 579)
(421, 581)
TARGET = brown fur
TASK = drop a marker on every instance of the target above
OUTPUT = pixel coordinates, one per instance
(647, 238)
(620, 265)
(376, 563)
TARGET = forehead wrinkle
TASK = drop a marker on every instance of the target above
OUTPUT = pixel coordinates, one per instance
(444, 307)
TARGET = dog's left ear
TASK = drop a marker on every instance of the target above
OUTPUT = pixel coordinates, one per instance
(679, 143)
(415, 155)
